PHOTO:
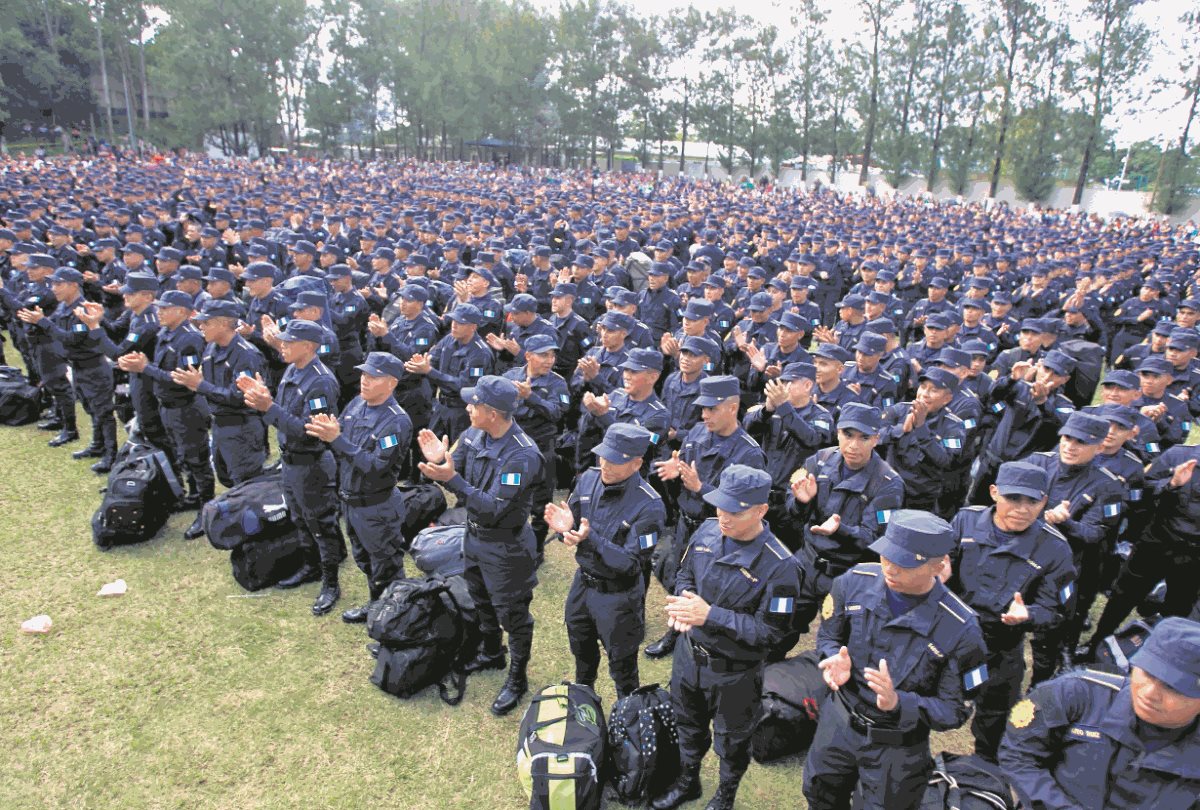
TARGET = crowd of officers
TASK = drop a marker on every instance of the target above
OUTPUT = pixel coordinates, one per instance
(780, 406)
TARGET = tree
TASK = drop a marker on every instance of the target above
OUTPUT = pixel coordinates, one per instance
(1171, 168)
(1011, 29)
(875, 13)
(960, 70)
(1117, 54)
(811, 60)
(1034, 155)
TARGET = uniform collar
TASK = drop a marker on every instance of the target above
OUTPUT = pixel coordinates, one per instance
(744, 554)
(1179, 758)
(858, 480)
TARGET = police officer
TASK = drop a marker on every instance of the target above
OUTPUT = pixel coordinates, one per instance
(732, 603)
(1100, 740)
(238, 434)
(718, 441)
(923, 439)
(493, 471)
(370, 442)
(634, 402)
(903, 656)
(185, 417)
(612, 519)
(458, 359)
(48, 356)
(1016, 573)
(413, 332)
(308, 389)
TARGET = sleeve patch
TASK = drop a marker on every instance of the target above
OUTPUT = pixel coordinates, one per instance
(1112, 509)
(1067, 591)
(975, 678)
(389, 441)
(511, 479)
(883, 516)
(318, 405)
(646, 541)
(1022, 714)
(952, 443)
(782, 604)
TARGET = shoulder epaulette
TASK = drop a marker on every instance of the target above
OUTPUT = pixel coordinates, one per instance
(952, 596)
(1132, 456)
(1110, 473)
(974, 508)
(523, 439)
(649, 490)
(867, 569)
(776, 547)
(1109, 679)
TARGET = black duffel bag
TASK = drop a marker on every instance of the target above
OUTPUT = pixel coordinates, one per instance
(961, 782)
(18, 399)
(423, 505)
(253, 510)
(141, 492)
(439, 550)
(643, 745)
(265, 560)
(793, 691)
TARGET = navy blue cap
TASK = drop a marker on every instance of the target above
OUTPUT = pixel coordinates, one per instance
(1124, 415)
(1172, 655)
(871, 343)
(794, 322)
(717, 282)
(257, 270)
(306, 247)
(41, 260)
(643, 360)
(414, 292)
(1122, 378)
(495, 392)
(913, 538)
(759, 302)
(854, 301)
(66, 274)
(339, 270)
(309, 298)
(717, 389)
(1085, 427)
(170, 254)
(1022, 478)
(939, 283)
(1154, 364)
(973, 303)
(176, 298)
(975, 347)
(950, 356)
(143, 250)
(660, 269)
(740, 488)
(798, 371)
(832, 351)
(1032, 325)
(220, 274)
(882, 326)
(940, 377)
(1059, 362)
(217, 308)
(190, 272)
(484, 273)
(300, 329)
(1184, 339)
(623, 442)
(698, 344)
(466, 313)
(564, 288)
(522, 302)
(1190, 303)
(863, 418)
(380, 364)
(536, 344)
(617, 320)
(139, 282)
(938, 320)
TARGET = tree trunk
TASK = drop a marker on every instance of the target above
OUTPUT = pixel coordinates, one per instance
(683, 142)
(142, 72)
(1097, 108)
(873, 106)
(1005, 110)
(108, 119)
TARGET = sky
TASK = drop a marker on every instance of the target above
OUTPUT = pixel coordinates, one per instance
(1153, 118)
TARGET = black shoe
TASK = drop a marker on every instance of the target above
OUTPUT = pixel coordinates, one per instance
(64, 437)
(513, 690)
(686, 789)
(664, 646)
(373, 648)
(195, 530)
(723, 798)
(188, 502)
(53, 423)
(486, 660)
(104, 465)
(309, 573)
(328, 597)
(1085, 654)
(356, 615)
(91, 451)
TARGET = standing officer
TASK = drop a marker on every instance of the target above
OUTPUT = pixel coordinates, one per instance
(924, 439)
(185, 417)
(493, 471)
(612, 520)
(1099, 740)
(49, 358)
(238, 434)
(903, 655)
(732, 603)
(1015, 571)
(458, 359)
(634, 402)
(413, 332)
(709, 447)
(308, 389)
(370, 441)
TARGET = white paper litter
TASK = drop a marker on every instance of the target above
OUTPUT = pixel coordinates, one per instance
(117, 588)
(38, 625)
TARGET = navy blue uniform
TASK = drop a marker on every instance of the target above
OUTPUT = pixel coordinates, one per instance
(924, 455)
(138, 332)
(540, 415)
(788, 436)
(455, 366)
(91, 370)
(649, 413)
(238, 434)
(935, 656)
(405, 338)
(185, 416)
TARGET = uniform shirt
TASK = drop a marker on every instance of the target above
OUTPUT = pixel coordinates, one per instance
(935, 651)
(540, 414)
(275, 306)
(879, 388)
(575, 338)
(864, 499)
(520, 334)
(679, 398)
(1176, 517)
(757, 380)
(609, 378)
(458, 365)
(1077, 743)
(303, 393)
(788, 436)
(495, 479)
(372, 447)
(712, 454)
(750, 587)
(72, 334)
(625, 519)
(177, 348)
(760, 334)
(836, 398)
(1096, 496)
(493, 314)
(1005, 361)
(349, 313)
(649, 413)
(922, 455)
(990, 565)
(1025, 426)
(222, 365)
(1175, 425)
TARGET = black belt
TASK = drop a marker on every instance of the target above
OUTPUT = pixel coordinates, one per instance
(176, 405)
(824, 565)
(608, 585)
(87, 363)
(716, 663)
(230, 419)
(366, 499)
(882, 736)
(301, 458)
(484, 532)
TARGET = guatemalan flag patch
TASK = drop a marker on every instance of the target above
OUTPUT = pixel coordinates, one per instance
(388, 442)
(975, 678)
(318, 405)
(1066, 592)
(883, 516)
(510, 479)
(1112, 509)
(782, 604)
(646, 541)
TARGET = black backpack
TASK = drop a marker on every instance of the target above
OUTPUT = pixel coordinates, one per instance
(18, 399)
(265, 560)
(428, 630)
(439, 550)
(253, 510)
(1113, 654)
(793, 691)
(141, 491)
(562, 740)
(1089, 363)
(643, 745)
(423, 504)
(961, 782)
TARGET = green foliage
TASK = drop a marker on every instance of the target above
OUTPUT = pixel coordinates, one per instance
(43, 61)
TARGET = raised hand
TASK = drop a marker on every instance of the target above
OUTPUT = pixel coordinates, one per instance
(836, 669)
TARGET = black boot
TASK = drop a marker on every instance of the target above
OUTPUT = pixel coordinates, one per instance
(206, 492)
(93, 450)
(309, 573)
(664, 646)
(54, 422)
(685, 789)
(108, 430)
(515, 687)
(330, 592)
(491, 656)
(358, 615)
(196, 529)
(66, 437)
(726, 791)
(585, 672)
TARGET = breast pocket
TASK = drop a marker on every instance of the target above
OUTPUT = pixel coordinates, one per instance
(736, 588)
